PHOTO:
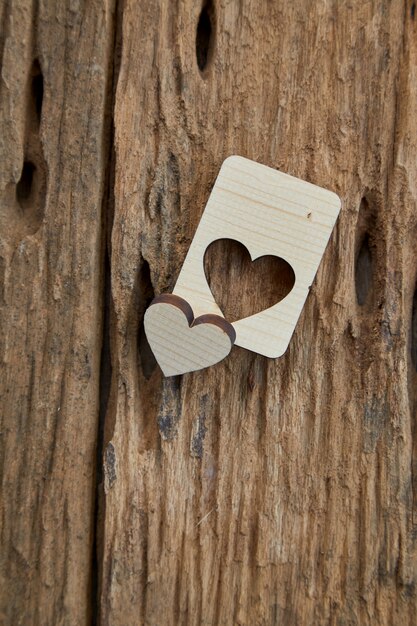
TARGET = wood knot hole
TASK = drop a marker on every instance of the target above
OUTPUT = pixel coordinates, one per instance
(37, 89)
(365, 248)
(204, 35)
(25, 184)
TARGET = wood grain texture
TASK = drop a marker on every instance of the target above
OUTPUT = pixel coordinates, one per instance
(266, 492)
(182, 343)
(259, 293)
(256, 492)
(55, 60)
(271, 213)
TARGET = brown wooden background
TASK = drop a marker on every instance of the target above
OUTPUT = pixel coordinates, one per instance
(257, 492)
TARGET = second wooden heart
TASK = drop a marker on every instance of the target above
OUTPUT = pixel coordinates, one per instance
(181, 343)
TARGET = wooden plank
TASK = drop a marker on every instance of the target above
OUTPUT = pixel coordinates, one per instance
(55, 80)
(256, 491)
(266, 491)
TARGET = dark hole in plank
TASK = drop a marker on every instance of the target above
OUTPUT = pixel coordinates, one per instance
(203, 43)
(37, 88)
(147, 359)
(364, 271)
(25, 184)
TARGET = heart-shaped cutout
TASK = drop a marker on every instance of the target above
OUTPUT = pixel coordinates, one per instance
(242, 287)
(181, 343)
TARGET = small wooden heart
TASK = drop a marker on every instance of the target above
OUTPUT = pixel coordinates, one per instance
(181, 343)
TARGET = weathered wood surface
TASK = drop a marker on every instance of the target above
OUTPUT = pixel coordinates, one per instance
(274, 491)
(55, 68)
(257, 491)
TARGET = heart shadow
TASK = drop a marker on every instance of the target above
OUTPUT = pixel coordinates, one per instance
(242, 287)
